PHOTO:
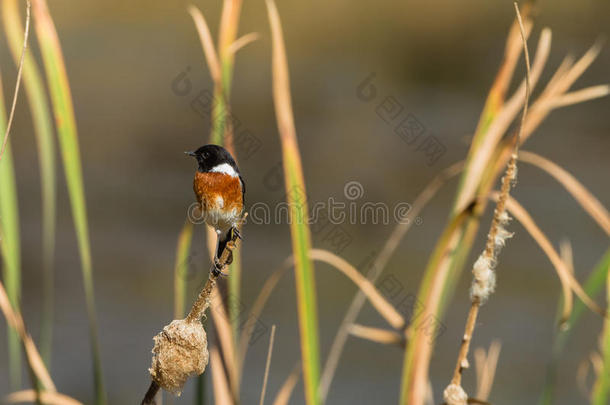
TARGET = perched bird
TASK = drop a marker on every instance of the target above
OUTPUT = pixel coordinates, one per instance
(220, 190)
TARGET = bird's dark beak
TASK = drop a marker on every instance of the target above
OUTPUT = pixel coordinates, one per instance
(193, 154)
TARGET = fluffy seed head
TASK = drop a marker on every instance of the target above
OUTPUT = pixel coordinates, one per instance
(484, 280)
(181, 351)
(455, 395)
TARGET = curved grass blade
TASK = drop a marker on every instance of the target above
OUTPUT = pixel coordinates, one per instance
(15, 322)
(10, 248)
(297, 201)
(385, 309)
(9, 216)
(587, 200)
(43, 128)
(61, 98)
(521, 215)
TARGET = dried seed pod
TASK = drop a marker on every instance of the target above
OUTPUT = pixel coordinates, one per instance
(180, 352)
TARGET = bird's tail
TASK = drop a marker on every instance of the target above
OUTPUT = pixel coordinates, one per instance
(223, 239)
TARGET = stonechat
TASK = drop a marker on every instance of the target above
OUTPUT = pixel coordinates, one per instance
(220, 191)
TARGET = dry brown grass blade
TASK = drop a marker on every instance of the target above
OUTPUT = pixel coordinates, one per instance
(383, 336)
(519, 213)
(561, 82)
(267, 365)
(584, 197)
(580, 66)
(228, 28)
(512, 51)
(15, 321)
(225, 336)
(18, 81)
(207, 43)
(382, 306)
(257, 307)
(501, 123)
(222, 323)
(580, 96)
(222, 392)
(284, 394)
(486, 364)
(391, 244)
(565, 252)
(242, 41)
(46, 397)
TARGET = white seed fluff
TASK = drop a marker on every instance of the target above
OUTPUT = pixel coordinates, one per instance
(484, 281)
(455, 395)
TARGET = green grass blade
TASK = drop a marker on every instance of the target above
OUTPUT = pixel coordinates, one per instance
(61, 99)
(181, 269)
(601, 389)
(222, 133)
(297, 201)
(43, 128)
(11, 250)
(593, 286)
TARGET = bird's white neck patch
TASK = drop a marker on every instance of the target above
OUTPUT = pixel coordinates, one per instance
(224, 168)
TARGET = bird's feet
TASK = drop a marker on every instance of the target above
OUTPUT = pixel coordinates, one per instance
(237, 232)
(217, 268)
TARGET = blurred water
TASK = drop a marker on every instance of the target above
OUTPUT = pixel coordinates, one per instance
(436, 59)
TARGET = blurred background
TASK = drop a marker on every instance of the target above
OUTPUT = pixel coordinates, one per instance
(436, 58)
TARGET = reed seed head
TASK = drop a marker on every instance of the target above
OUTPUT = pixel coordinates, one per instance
(180, 352)
(454, 394)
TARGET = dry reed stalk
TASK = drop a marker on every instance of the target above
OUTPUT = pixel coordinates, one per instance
(45, 397)
(483, 283)
(267, 365)
(222, 392)
(15, 321)
(180, 350)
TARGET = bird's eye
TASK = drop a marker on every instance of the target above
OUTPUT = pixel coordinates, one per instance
(206, 155)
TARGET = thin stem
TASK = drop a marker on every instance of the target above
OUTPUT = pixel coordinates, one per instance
(470, 324)
(18, 81)
(203, 300)
(267, 365)
(149, 397)
(491, 247)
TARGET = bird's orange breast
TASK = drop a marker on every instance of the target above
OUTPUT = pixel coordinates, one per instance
(211, 188)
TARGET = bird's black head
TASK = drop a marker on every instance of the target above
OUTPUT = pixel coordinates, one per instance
(210, 156)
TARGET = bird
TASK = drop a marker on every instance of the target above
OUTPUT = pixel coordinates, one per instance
(220, 191)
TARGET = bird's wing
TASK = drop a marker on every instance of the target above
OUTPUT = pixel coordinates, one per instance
(243, 190)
